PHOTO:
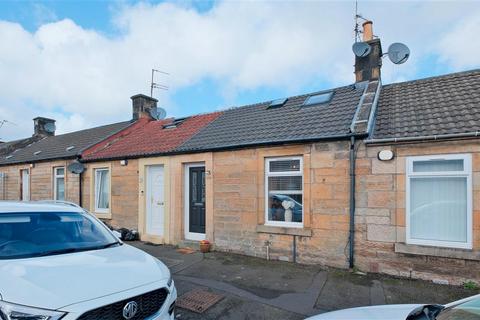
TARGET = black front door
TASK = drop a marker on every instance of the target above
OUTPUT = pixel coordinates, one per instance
(197, 199)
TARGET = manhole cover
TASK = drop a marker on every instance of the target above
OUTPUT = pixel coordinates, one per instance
(198, 300)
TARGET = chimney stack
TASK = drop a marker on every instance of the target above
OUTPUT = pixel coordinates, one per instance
(142, 105)
(43, 127)
(368, 68)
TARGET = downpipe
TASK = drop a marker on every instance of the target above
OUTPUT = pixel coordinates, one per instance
(351, 261)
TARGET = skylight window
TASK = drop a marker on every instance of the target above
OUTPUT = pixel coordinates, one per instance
(8, 157)
(70, 148)
(319, 98)
(277, 103)
(36, 153)
(175, 123)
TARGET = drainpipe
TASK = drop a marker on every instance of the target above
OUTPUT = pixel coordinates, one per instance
(294, 249)
(352, 202)
(80, 189)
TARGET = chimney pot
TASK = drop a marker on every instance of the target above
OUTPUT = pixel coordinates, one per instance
(142, 106)
(367, 30)
(43, 127)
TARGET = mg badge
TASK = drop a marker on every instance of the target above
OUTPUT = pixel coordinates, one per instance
(130, 310)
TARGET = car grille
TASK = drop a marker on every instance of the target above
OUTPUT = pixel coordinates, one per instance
(148, 304)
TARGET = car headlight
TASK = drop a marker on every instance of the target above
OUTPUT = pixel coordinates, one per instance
(10, 311)
(170, 281)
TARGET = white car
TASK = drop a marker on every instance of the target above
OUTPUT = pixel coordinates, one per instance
(59, 262)
(465, 309)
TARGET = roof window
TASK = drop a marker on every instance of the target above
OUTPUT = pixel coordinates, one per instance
(36, 153)
(9, 156)
(69, 148)
(318, 99)
(277, 103)
(175, 123)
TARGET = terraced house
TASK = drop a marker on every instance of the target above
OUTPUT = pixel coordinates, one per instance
(385, 178)
(36, 168)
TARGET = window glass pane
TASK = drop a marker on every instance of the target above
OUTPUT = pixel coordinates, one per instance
(438, 209)
(284, 165)
(60, 171)
(285, 183)
(102, 193)
(60, 192)
(438, 165)
(285, 207)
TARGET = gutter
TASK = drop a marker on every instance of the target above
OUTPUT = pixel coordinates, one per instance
(229, 147)
(474, 134)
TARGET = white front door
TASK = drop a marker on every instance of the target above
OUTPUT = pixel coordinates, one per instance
(155, 215)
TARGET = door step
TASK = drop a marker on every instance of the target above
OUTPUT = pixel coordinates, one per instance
(189, 244)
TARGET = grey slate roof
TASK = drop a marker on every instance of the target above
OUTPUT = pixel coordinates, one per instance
(446, 104)
(7, 147)
(55, 147)
(257, 124)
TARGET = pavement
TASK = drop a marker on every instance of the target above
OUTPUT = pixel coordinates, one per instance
(255, 288)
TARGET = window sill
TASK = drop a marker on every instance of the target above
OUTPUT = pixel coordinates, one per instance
(302, 232)
(451, 253)
(103, 215)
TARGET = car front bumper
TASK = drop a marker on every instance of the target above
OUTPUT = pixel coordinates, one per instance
(165, 312)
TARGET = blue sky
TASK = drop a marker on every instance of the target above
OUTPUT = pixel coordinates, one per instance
(79, 62)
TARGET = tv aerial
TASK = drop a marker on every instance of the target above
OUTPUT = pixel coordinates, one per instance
(157, 113)
(154, 85)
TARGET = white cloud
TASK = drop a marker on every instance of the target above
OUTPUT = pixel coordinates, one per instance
(83, 78)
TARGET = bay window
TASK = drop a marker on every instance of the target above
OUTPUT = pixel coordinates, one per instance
(284, 191)
(102, 190)
(439, 201)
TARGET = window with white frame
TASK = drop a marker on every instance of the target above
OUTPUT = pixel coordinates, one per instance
(284, 191)
(25, 184)
(439, 201)
(102, 190)
(59, 183)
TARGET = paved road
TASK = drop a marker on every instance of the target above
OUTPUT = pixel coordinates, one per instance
(258, 289)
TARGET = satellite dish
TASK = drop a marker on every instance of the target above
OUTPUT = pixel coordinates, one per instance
(50, 127)
(76, 167)
(158, 113)
(161, 113)
(398, 53)
(361, 49)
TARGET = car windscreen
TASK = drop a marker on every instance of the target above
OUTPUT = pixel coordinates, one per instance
(469, 310)
(33, 234)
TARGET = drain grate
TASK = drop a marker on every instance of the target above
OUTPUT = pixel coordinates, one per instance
(198, 300)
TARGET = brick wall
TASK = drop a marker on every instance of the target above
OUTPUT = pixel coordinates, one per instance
(380, 220)
(239, 204)
(41, 181)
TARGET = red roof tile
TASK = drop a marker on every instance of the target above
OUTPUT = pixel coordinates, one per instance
(148, 137)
